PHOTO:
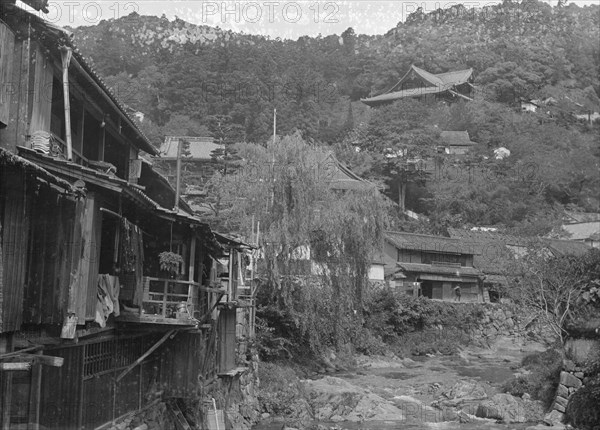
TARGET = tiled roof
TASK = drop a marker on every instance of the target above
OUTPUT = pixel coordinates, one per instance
(493, 254)
(562, 247)
(583, 230)
(425, 242)
(200, 148)
(456, 138)
(439, 270)
(575, 217)
(7, 158)
(438, 83)
(340, 177)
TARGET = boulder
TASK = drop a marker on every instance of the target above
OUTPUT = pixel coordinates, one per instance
(569, 380)
(504, 407)
(554, 418)
(334, 398)
(568, 365)
(462, 391)
(562, 391)
(561, 401)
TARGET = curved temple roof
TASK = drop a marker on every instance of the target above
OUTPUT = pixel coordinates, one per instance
(438, 83)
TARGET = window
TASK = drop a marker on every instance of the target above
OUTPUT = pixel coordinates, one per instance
(438, 258)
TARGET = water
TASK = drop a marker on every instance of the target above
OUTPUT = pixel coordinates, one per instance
(401, 425)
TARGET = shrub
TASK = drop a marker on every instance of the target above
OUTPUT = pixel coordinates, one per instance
(280, 389)
(367, 343)
(583, 409)
(543, 380)
(517, 386)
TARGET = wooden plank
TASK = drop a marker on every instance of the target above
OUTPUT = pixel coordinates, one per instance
(180, 422)
(21, 351)
(6, 345)
(146, 354)
(75, 303)
(34, 396)
(92, 282)
(42, 97)
(7, 46)
(159, 320)
(86, 263)
(17, 366)
(15, 241)
(46, 360)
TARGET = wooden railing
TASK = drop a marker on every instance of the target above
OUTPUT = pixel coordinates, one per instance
(168, 298)
(171, 301)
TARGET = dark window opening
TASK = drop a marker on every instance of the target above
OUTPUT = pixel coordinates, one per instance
(116, 154)
(57, 121)
(92, 137)
(107, 245)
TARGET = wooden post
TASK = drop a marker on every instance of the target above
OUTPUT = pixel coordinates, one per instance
(191, 274)
(66, 53)
(178, 176)
(34, 395)
(230, 277)
(6, 345)
(102, 141)
(164, 310)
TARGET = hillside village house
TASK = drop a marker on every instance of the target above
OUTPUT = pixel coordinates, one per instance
(455, 142)
(91, 326)
(449, 86)
(495, 254)
(431, 266)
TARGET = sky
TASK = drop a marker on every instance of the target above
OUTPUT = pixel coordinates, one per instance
(274, 18)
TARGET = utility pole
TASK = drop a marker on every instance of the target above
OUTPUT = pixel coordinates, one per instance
(274, 124)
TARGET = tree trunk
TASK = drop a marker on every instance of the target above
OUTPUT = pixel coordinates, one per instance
(402, 195)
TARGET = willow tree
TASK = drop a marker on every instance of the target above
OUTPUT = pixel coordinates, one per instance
(317, 243)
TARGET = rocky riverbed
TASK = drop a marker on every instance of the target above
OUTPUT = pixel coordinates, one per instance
(460, 391)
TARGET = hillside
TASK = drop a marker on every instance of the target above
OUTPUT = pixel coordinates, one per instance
(183, 76)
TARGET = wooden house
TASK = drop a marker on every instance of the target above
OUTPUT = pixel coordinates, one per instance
(92, 327)
(431, 266)
(455, 142)
(495, 254)
(418, 83)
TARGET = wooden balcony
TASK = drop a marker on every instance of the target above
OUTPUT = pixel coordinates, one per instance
(173, 302)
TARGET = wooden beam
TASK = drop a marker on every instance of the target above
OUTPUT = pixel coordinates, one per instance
(145, 354)
(47, 360)
(21, 351)
(34, 396)
(8, 367)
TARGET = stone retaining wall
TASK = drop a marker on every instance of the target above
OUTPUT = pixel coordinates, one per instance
(497, 320)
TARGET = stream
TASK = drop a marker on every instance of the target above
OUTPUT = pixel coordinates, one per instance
(414, 384)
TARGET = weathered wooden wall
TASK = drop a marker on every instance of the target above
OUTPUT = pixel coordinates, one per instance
(227, 339)
(7, 46)
(51, 258)
(15, 228)
(181, 361)
(42, 92)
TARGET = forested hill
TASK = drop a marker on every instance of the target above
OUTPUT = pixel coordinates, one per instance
(194, 80)
(167, 68)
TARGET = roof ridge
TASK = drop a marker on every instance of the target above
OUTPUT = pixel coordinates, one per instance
(421, 234)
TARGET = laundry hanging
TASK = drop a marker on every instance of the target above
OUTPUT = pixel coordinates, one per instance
(132, 260)
(108, 298)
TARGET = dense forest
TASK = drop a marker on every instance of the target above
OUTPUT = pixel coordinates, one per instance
(187, 78)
